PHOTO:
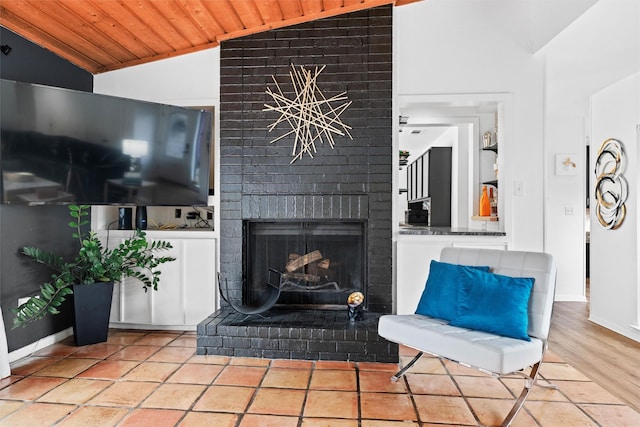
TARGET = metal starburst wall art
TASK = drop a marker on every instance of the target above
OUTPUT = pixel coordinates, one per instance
(311, 116)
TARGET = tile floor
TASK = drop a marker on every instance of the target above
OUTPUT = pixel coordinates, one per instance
(154, 378)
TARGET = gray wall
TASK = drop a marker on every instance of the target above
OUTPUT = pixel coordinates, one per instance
(41, 226)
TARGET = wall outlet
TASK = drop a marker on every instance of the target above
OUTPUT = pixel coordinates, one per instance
(568, 210)
(178, 213)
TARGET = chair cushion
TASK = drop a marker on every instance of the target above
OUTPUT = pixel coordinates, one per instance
(440, 295)
(493, 303)
(482, 350)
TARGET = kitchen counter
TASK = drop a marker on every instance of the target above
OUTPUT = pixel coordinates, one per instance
(406, 229)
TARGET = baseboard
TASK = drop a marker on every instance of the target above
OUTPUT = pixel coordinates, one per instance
(570, 298)
(28, 350)
(629, 331)
(118, 325)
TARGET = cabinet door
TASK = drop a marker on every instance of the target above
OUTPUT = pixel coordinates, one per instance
(413, 259)
(168, 302)
(199, 279)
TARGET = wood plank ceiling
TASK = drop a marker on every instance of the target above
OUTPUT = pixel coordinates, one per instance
(105, 35)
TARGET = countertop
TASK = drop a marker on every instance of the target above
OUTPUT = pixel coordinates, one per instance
(406, 229)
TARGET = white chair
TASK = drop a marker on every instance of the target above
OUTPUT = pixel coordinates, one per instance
(493, 354)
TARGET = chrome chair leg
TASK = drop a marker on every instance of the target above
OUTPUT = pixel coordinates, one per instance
(402, 371)
(528, 385)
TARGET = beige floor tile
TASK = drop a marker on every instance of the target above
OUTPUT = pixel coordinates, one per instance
(380, 382)
(195, 374)
(37, 414)
(135, 352)
(200, 419)
(287, 378)
(331, 422)
(334, 379)
(125, 338)
(173, 354)
(75, 391)
(613, 415)
(491, 412)
(93, 416)
(156, 339)
(30, 365)
(152, 417)
(432, 384)
(392, 368)
(152, 371)
(174, 396)
(184, 341)
(444, 410)
(97, 351)
(387, 406)
(561, 371)
(292, 364)
(334, 364)
(60, 349)
(109, 369)
(558, 414)
(482, 387)
(30, 388)
(456, 369)
(124, 393)
(278, 402)
(9, 406)
(214, 360)
(241, 375)
(66, 368)
(7, 381)
(537, 392)
(425, 365)
(225, 399)
(249, 361)
(331, 404)
(251, 420)
(386, 423)
(586, 392)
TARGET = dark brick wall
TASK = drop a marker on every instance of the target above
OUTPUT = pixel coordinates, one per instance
(352, 181)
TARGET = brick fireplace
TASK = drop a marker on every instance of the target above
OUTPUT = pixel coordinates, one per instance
(349, 184)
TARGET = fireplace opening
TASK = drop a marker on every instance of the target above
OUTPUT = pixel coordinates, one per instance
(315, 264)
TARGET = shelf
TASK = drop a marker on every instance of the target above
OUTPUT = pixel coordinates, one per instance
(493, 182)
(485, 218)
(492, 147)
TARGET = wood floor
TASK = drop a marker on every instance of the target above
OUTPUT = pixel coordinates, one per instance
(609, 359)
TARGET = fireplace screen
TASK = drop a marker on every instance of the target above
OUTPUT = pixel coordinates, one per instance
(317, 264)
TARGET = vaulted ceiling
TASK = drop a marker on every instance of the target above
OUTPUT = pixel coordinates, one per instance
(104, 35)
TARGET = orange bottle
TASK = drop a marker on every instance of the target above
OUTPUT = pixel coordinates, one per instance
(485, 204)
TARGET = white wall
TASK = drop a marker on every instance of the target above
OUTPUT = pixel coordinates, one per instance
(463, 46)
(615, 113)
(186, 80)
(565, 206)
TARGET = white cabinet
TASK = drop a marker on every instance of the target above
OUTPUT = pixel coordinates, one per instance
(413, 256)
(186, 292)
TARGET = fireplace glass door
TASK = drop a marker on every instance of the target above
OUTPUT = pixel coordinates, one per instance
(317, 264)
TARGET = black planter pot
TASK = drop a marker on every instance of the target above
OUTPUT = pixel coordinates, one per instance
(92, 308)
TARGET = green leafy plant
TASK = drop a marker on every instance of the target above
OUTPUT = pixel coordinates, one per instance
(404, 153)
(134, 257)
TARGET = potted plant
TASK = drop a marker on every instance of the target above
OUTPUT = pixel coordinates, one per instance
(90, 276)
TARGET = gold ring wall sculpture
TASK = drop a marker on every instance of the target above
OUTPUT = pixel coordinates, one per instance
(611, 185)
(311, 115)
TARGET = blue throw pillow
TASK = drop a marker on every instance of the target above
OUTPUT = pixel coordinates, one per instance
(494, 303)
(440, 296)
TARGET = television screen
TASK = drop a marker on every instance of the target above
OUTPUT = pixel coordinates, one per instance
(64, 146)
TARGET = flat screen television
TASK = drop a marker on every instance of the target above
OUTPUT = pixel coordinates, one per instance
(63, 146)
